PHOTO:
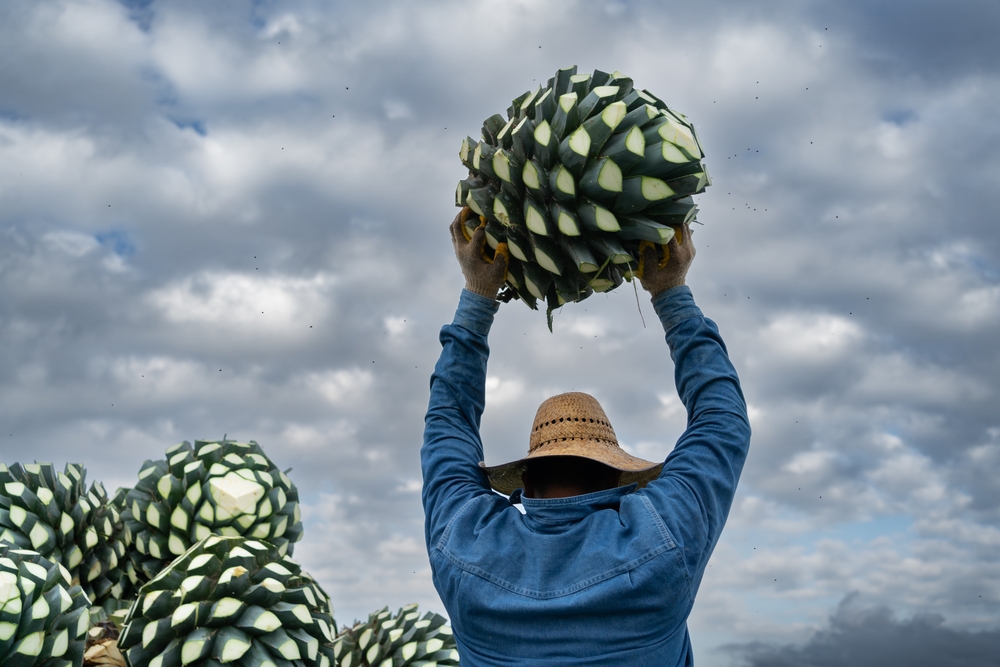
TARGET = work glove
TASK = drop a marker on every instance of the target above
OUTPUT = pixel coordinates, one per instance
(482, 275)
(659, 272)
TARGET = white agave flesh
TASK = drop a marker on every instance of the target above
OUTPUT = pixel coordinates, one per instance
(579, 141)
(200, 561)
(60, 644)
(151, 598)
(679, 135)
(65, 601)
(9, 593)
(234, 460)
(226, 607)
(536, 223)
(18, 515)
(38, 536)
(273, 585)
(149, 632)
(267, 622)
(35, 569)
(564, 179)
(610, 177)
(501, 166)
(312, 648)
(500, 212)
(635, 141)
(529, 174)
(191, 650)
(233, 649)
(653, 189)
(181, 614)
(672, 154)
(31, 645)
(208, 449)
(233, 572)
(613, 114)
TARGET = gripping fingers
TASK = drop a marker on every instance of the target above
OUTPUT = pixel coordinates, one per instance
(645, 259)
(464, 216)
(457, 232)
(666, 256)
(502, 252)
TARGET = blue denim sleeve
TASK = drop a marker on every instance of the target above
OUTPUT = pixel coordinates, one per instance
(452, 449)
(695, 490)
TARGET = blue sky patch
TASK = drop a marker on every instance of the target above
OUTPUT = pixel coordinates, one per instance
(900, 117)
(196, 125)
(118, 241)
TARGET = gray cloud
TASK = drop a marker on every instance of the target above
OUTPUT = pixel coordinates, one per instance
(863, 636)
(231, 219)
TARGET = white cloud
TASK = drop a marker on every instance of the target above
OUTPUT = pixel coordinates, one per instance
(203, 63)
(811, 463)
(396, 326)
(810, 338)
(240, 306)
(861, 308)
(342, 387)
(396, 110)
(73, 244)
(500, 392)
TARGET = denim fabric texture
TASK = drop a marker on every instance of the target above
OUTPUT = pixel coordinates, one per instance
(606, 578)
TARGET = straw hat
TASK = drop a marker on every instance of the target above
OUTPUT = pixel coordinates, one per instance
(573, 424)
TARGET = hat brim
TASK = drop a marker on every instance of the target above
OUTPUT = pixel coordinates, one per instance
(506, 478)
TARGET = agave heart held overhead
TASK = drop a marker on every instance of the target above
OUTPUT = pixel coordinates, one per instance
(580, 176)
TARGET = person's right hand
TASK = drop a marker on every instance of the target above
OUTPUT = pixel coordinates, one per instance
(482, 276)
(655, 279)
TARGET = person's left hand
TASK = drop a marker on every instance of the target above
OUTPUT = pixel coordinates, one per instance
(673, 272)
(482, 276)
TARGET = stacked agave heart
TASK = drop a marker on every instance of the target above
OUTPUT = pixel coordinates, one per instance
(406, 639)
(216, 487)
(581, 174)
(43, 617)
(230, 600)
(54, 514)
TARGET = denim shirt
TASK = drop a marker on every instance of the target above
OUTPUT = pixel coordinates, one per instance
(605, 578)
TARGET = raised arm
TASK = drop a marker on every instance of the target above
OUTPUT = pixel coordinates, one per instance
(696, 487)
(452, 447)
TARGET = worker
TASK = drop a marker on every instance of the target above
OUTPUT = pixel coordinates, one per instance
(603, 564)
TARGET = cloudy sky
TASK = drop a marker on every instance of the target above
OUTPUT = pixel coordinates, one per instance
(231, 218)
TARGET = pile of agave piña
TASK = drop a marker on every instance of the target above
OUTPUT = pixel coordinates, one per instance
(43, 615)
(406, 639)
(580, 176)
(191, 567)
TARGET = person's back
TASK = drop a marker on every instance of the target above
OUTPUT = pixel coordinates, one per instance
(524, 589)
(602, 578)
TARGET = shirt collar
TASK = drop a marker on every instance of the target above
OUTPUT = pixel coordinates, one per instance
(574, 508)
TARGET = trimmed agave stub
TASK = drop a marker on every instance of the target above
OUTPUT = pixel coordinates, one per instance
(43, 616)
(215, 487)
(102, 643)
(55, 514)
(583, 173)
(406, 638)
(230, 600)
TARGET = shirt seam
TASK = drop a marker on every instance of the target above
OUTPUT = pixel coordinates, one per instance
(451, 522)
(562, 592)
(665, 533)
